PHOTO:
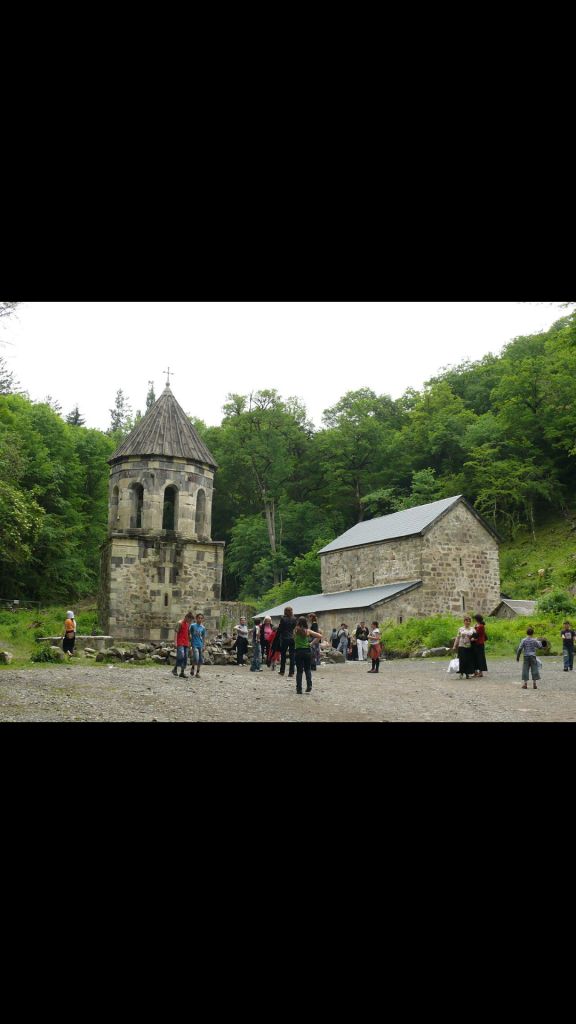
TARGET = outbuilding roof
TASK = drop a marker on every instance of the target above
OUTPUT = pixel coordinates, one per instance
(518, 607)
(399, 524)
(343, 600)
(165, 430)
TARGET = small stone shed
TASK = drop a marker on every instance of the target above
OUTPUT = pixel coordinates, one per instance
(511, 609)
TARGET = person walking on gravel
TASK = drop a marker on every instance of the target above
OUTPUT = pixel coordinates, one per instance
(182, 642)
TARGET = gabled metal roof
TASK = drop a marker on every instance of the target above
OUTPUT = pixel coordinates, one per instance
(520, 607)
(343, 600)
(399, 524)
(165, 430)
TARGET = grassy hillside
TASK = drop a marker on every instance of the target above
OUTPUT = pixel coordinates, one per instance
(19, 630)
(553, 550)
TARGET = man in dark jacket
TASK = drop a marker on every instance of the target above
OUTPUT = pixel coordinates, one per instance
(286, 637)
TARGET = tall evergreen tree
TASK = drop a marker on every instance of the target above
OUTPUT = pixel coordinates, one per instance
(120, 416)
(7, 382)
(74, 418)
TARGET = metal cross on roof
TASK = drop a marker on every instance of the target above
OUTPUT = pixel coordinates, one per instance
(168, 378)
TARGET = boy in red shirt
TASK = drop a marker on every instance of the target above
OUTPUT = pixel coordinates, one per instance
(182, 641)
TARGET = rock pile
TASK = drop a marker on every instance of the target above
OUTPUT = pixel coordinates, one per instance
(219, 651)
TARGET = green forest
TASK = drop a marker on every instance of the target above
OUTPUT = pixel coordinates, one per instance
(500, 430)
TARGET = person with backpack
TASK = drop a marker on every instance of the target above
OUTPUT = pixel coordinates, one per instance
(342, 637)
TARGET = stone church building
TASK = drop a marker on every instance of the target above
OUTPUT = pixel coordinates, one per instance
(438, 558)
(159, 560)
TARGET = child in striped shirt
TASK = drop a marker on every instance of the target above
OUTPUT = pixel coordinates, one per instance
(529, 645)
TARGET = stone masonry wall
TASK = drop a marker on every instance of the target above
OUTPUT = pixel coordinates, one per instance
(154, 475)
(371, 565)
(149, 583)
(457, 561)
(460, 567)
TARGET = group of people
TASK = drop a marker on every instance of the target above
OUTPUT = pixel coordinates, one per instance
(297, 641)
(357, 645)
(189, 638)
(470, 642)
(293, 640)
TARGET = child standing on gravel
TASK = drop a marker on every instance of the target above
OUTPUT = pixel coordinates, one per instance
(182, 644)
(198, 643)
(529, 645)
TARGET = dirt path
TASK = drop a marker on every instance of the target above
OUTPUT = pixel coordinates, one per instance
(403, 691)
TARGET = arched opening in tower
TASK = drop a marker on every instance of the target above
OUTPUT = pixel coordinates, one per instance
(200, 513)
(137, 506)
(169, 511)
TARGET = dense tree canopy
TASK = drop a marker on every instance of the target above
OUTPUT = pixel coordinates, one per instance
(501, 430)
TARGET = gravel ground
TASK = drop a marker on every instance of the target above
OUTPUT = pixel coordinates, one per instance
(403, 691)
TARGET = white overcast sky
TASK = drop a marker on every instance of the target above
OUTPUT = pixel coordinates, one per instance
(82, 353)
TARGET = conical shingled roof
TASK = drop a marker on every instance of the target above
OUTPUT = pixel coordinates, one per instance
(165, 430)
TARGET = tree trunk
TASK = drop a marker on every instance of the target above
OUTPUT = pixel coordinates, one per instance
(270, 512)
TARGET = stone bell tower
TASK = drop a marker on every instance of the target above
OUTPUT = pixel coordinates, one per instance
(159, 560)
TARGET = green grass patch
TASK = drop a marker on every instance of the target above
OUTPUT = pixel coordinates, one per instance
(504, 635)
(20, 629)
(553, 550)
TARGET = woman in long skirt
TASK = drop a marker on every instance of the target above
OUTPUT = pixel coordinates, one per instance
(463, 646)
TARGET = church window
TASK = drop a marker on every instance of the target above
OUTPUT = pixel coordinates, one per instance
(169, 509)
(114, 506)
(137, 504)
(200, 513)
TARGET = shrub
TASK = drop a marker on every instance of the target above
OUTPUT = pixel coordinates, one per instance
(557, 603)
(46, 652)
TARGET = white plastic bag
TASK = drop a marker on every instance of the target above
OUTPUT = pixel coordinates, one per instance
(454, 665)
